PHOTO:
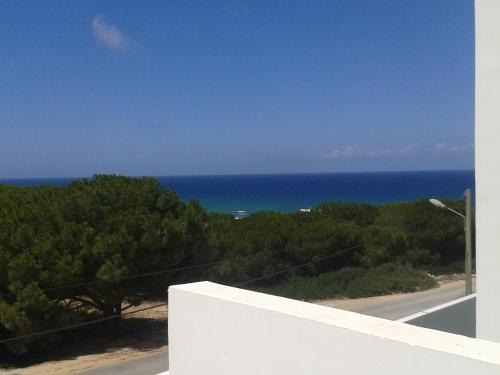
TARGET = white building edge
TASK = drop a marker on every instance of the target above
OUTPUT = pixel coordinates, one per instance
(218, 330)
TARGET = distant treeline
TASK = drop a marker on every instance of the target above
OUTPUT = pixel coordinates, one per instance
(98, 246)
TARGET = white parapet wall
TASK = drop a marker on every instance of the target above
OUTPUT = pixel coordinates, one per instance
(219, 330)
(488, 168)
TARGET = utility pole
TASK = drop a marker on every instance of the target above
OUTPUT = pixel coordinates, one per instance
(468, 243)
(468, 235)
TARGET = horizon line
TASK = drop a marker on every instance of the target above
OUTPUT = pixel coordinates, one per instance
(239, 174)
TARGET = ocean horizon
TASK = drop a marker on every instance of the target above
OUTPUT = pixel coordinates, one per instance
(291, 192)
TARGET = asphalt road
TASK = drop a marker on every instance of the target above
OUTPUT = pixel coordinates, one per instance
(396, 307)
(392, 308)
(150, 365)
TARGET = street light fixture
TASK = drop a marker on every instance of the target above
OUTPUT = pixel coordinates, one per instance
(468, 236)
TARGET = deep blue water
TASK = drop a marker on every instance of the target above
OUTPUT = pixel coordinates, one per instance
(290, 192)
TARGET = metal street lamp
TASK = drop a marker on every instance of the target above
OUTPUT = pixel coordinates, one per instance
(468, 236)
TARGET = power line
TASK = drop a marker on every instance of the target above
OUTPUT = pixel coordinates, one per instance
(137, 276)
(78, 325)
(154, 273)
(109, 317)
(298, 266)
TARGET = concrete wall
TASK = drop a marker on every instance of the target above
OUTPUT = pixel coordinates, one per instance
(488, 168)
(218, 330)
(458, 316)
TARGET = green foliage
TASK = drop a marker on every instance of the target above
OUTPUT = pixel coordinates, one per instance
(456, 267)
(267, 242)
(361, 214)
(382, 244)
(430, 229)
(104, 229)
(355, 283)
(422, 257)
(109, 228)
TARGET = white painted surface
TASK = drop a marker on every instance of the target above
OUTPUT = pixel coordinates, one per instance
(434, 309)
(488, 168)
(218, 330)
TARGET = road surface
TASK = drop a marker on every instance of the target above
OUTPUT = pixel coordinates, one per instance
(394, 307)
(390, 307)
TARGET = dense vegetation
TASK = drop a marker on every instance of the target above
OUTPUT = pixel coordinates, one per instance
(356, 282)
(73, 254)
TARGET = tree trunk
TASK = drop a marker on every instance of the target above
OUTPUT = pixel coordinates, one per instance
(117, 322)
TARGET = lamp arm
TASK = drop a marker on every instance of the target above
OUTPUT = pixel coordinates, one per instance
(459, 214)
(455, 212)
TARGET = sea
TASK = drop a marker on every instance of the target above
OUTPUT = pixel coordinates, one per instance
(246, 194)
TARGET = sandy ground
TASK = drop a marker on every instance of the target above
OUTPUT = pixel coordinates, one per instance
(84, 362)
(153, 339)
(110, 351)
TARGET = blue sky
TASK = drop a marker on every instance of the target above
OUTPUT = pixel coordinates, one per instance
(222, 87)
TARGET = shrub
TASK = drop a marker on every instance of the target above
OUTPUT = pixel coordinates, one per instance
(352, 282)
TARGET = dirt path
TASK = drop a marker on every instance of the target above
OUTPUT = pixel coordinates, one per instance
(150, 340)
(84, 362)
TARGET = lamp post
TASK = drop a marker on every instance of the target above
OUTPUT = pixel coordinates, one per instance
(468, 236)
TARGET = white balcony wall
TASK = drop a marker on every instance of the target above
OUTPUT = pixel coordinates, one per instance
(488, 168)
(218, 330)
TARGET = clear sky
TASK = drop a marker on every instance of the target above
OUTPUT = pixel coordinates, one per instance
(222, 87)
